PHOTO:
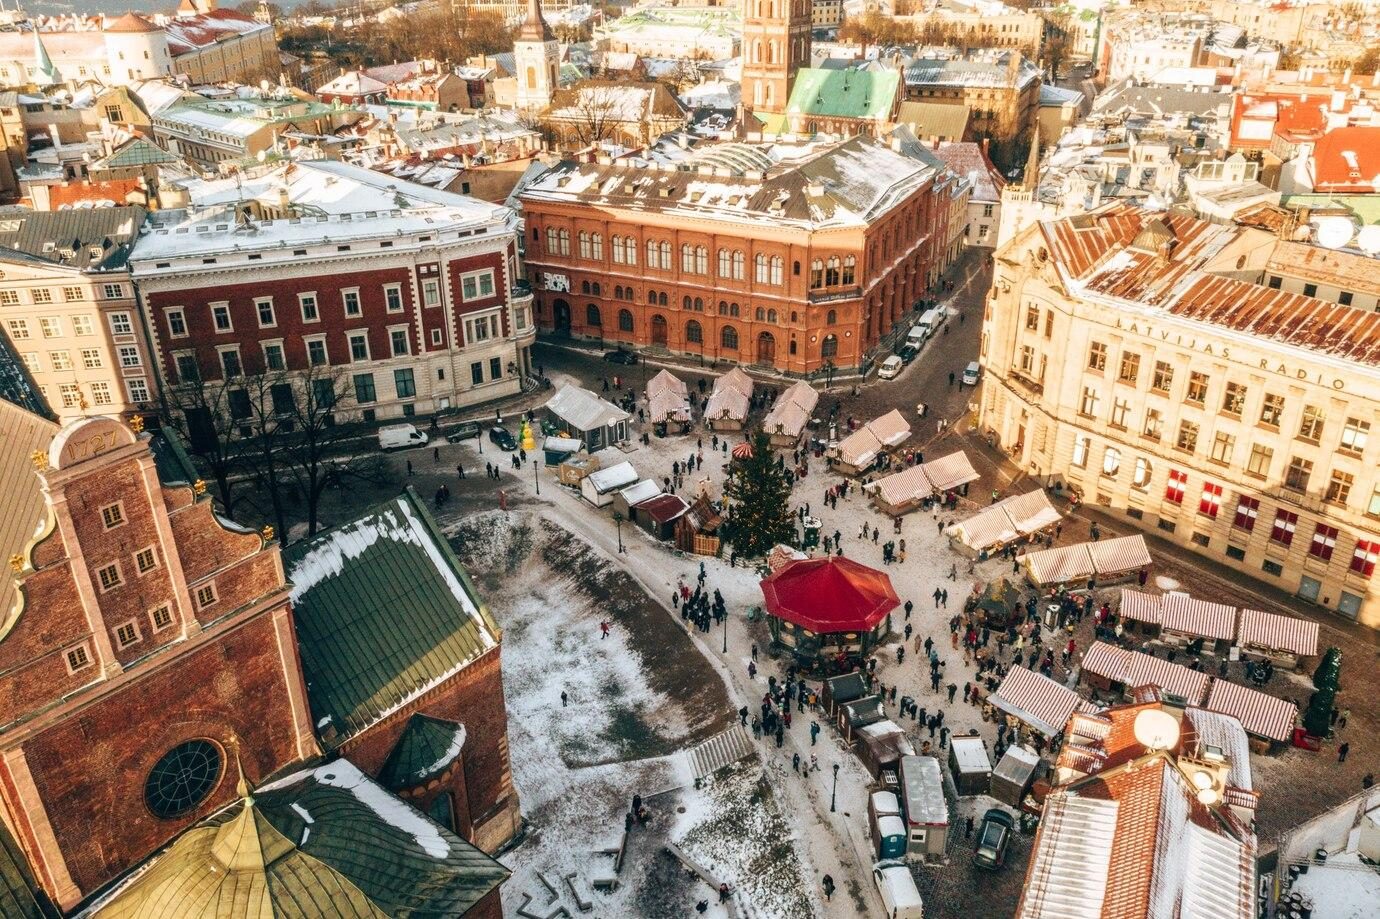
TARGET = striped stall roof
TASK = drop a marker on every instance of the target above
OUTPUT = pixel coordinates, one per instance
(1008, 519)
(1201, 618)
(1260, 714)
(1126, 553)
(1141, 606)
(1278, 633)
(1133, 669)
(1038, 701)
(1071, 563)
(1071, 863)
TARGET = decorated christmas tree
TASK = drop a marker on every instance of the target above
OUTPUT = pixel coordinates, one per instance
(1327, 680)
(759, 495)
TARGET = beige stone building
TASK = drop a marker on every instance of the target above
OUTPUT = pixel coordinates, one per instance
(67, 307)
(1154, 364)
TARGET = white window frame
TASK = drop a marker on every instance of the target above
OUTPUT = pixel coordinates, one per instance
(61, 360)
(390, 290)
(345, 295)
(407, 340)
(282, 353)
(302, 300)
(129, 356)
(307, 341)
(19, 329)
(180, 314)
(352, 336)
(477, 277)
(73, 294)
(69, 395)
(50, 322)
(100, 393)
(436, 338)
(120, 519)
(119, 319)
(137, 389)
(259, 304)
(113, 291)
(229, 317)
(221, 351)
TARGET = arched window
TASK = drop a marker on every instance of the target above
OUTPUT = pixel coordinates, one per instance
(618, 250)
(693, 332)
(701, 260)
(592, 317)
(771, 52)
(725, 263)
(795, 269)
(651, 297)
(618, 292)
(761, 314)
(631, 250)
(594, 286)
(625, 321)
(829, 347)
(794, 316)
(553, 245)
(831, 276)
(771, 315)
(1141, 478)
(652, 260)
(665, 255)
(848, 265)
(723, 307)
(531, 78)
(597, 247)
(685, 303)
(738, 264)
(733, 309)
(699, 304)
(759, 265)
(728, 338)
(687, 259)
(1111, 461)
(584, 287)
(777, 263)
(792, 348)
(817, 273)
(584, 244)
(661, 298)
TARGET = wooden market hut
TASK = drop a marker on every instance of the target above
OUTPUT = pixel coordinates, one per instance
(730, 402)
(790, 415)
(697, 530)
(969, 765)
(864, 448)
(905, 491)
(658, 515)
(1282, 640)
(845, 687)
(636, 493)
(853, 716)
(829, 609)
(881, 747)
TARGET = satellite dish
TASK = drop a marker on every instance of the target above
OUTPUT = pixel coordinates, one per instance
(1156, 729)
(1369, 239)
(1334, 232)
(1207, 796)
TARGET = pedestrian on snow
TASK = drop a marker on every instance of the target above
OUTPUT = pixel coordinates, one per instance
(909, 606)
(435, 454)
(814, 732)
(604, 629)
(780, 736)
(723, 892)
(754, 650)
(752, 670)
(795, 763)
(953, 690)
(968, 828)
(409, 467)
(828, 885)
(1342, 751)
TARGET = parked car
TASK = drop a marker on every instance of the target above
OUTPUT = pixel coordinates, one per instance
(908, 352)
(993, 837)
(463, 431)
(900, 896)
(971, 374)
(503, 438)
(620, 357)
(891, 368)
(400, 437)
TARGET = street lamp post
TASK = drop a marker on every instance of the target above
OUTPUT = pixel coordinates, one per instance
(833, 796)
(725, 631)
(536, 478)
(618, 519)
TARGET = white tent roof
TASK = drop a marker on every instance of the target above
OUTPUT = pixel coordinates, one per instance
(641, 491)
(612, 478)
(583, 410)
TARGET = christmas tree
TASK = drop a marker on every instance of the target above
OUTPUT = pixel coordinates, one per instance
(1327, 680)
(760, 514)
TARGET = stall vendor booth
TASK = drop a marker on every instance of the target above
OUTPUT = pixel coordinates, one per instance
(829, 613)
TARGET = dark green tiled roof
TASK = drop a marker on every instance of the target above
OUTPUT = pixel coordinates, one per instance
(170, 458)
(19, 895)
(425, 749)
(384, 611)
(138, 152)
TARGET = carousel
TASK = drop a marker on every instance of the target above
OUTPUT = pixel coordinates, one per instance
(829, 613)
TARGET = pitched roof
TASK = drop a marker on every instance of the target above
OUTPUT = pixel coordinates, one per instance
(426, 749)
(68, 237)
(131, 22)
(1348, 160)
(327, 842)
(584, 410)
(23, 507)
(384, 612)
(830, 594)
(844, 93)
(947, 121)
(138, 152)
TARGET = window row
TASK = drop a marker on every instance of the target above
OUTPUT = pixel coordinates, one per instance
(832, 272)
(87, 358)
(52, 326)
(112, 574)
(731, 263)
(72, 395)
(40, 295)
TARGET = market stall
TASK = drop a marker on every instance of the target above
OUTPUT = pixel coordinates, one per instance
(730, 402)
(1009, 520)
(668, 403)
(1266, 717)
(1198, 624)
(1114, 669)
(861, 450)
(1036, 700)
(790, 415)
(907, 490)
(1107, 560)
(658, 515)
(1282, 640)
(829, 610)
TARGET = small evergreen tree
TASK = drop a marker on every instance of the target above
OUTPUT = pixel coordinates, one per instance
(1327, 680)
(760, 515)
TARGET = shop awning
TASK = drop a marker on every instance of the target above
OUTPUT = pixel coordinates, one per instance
(950, 472)
(1126, 553)
(1135, 669)
(1182, 613)
(1008, 519)
(1038, 701)
(1272, 632)
(1072, 563)
(1260, 714)
(1140, 606)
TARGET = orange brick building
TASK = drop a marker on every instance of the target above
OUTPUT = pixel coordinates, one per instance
(793, 259)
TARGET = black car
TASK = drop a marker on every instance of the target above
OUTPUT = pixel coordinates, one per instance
(993, 837)
(907, 353)
(620, 357)
(463, 431)
(504, 439)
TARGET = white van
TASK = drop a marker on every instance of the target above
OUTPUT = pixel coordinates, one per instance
(930, 322)
(899, 893)
(916, 337)
(891, 368)
(400, 437)
(972, 373)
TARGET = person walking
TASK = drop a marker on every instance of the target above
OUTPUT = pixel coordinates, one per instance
(814, 732)
(604, 629)
(460, 470)
(564, 698)
(968, 828)
(409, 468)
(1342, 751)
(828, 884)
(752, 670)
(953, 691)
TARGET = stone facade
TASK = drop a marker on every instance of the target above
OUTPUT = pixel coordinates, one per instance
(776, 43)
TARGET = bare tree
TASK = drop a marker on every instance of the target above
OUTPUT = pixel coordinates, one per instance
(590, 116)
(201, 411)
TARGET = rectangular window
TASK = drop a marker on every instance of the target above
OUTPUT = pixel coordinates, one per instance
(495, 369)
(392, 298)
(1272, 410)
(61, 360)
(1355, 435)
(1311, 427)
(1197, 387)
(1097, 356)
(1298, 473)
(1234, 399)
(1080, 450)
(161, 617)
(205, 596)
(1032, 317)
(1339, 487)
(351, 300)
(113, 515)
(1027, 361)
(283, 399)
(113, 291)
(1364, 556)
(43, 295)
(145, 560)
(1154, 424)
(83, 325)
(177, 322)
(1188, 436)
(398, 337)
(1286, 522)
(1310, 290)
(431, 292)
(188, 371)
(476, 373)
(1275, 282)
(91, 358)
(273, 357)
(1373, 507)
(477, 286)
(71, 394)
(1211, 501)
(100, 393)
(1174, 489)
(71, 294)
(19, 329)
(309, 311)
(1324, 541)
(1121, 410)
(51, 326)
(1258, 464)
(364, 387)
(129, 356)
(220, 317)
(230, 363)
(359, 346)
(1345, 297)
(1236, 553)
(9, 297)
(316, 352)
(1130, 368)
(1272, 567)
(1222, 446)
(1087, 406)
(264, 306)
(126, 634)
(78, 658)
(404, 383)
(1247, 510)
(436, 337)
(138, 389)
(109, 576)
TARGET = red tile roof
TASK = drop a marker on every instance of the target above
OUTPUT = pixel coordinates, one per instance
(1347, 161)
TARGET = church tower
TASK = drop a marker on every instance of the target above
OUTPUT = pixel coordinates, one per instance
(776, 43)
(537, 57)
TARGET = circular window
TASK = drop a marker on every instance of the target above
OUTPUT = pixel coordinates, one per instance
(182, 778)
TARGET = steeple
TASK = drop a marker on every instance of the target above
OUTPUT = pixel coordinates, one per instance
(534, 27)
(1031, 177)
(45, 74)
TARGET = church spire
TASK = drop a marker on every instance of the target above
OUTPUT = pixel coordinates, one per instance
(45, 74)
(1031, 177)
(534, 27)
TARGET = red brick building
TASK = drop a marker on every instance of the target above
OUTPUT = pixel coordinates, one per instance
(795, 260)
(410, 294)
(152, 645)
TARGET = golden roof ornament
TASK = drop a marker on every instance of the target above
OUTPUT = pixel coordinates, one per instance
(40, 460)
(199, 487)
(136, 424)
(267, 533)
(16, 563)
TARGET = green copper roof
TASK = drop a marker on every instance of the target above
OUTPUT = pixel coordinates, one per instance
(19, 895)
(138, 152)
(426, 749)
(844, 93)
(327, 843)
(1365, 208)
(384, 612)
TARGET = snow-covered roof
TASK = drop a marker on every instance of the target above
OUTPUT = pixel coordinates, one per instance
(640, 491)
(584, 410)
(923, 785)
(970, 754)
(613, 478)
(353, 83)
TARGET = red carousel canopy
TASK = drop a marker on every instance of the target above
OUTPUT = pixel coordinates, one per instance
(743, 451)
(832, 594)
